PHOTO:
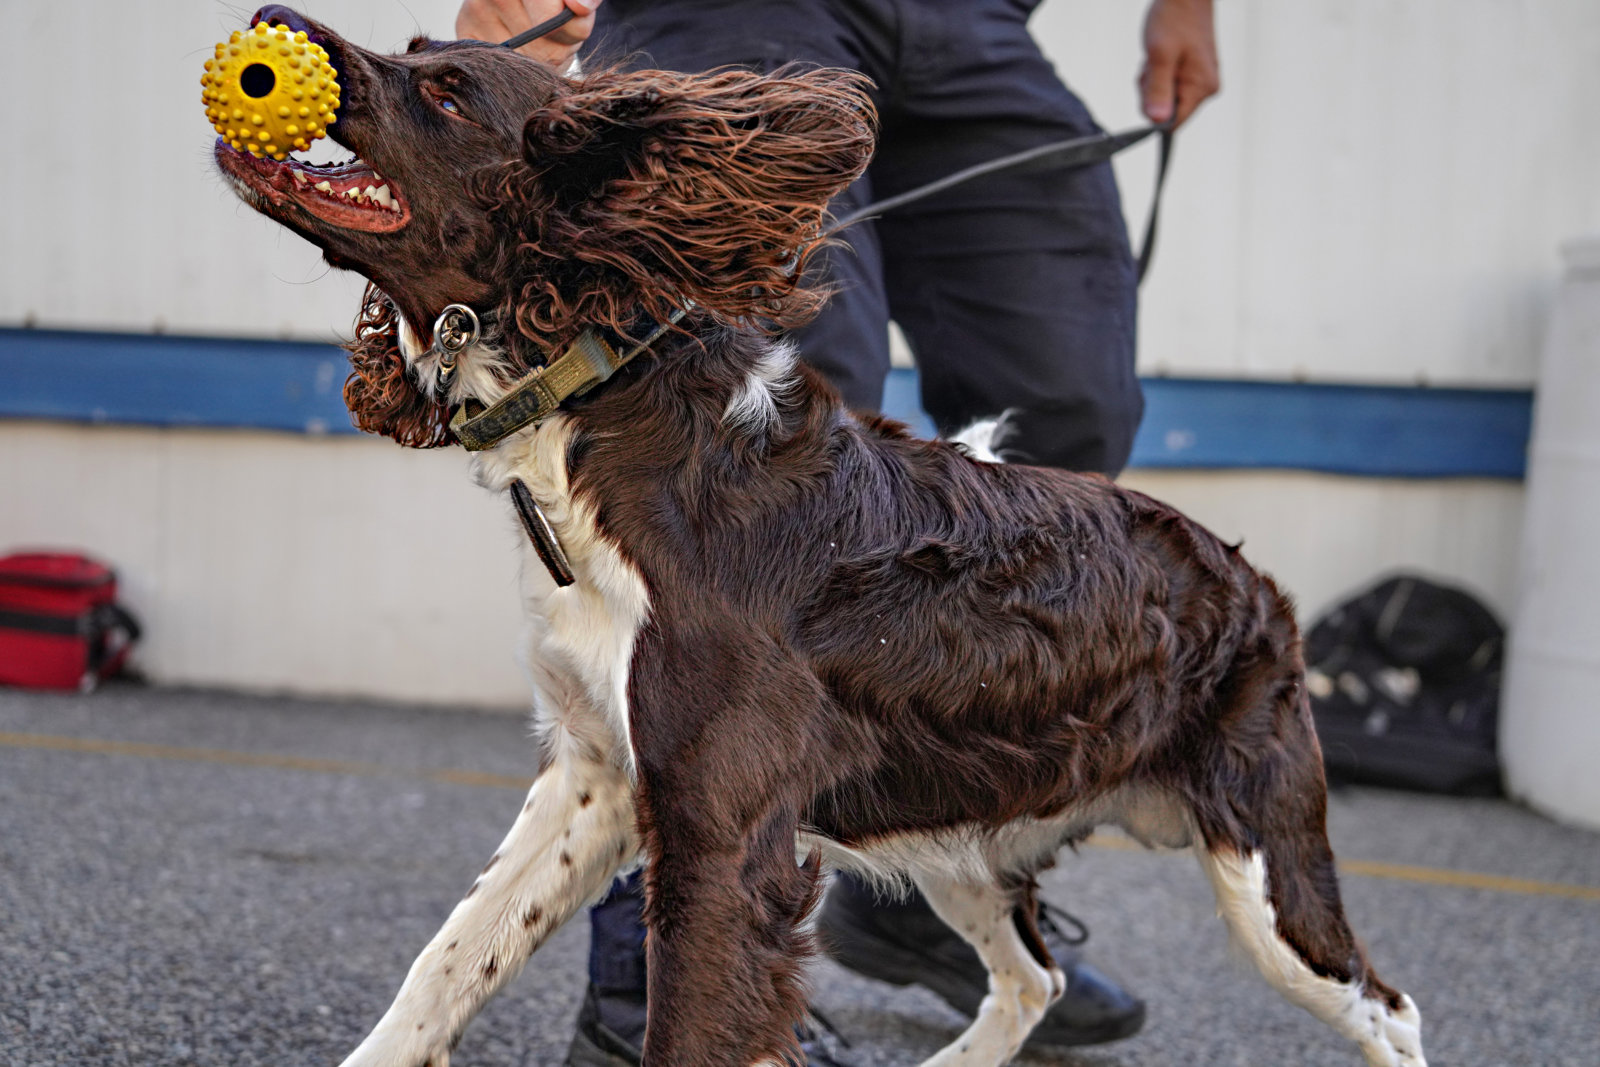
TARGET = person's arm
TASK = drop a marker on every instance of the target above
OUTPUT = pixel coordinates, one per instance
(1180, 66)
(497, 20)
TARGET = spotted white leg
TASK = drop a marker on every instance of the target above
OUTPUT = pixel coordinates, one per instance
(1020, 989)
(575, 830)
(1389, 1037)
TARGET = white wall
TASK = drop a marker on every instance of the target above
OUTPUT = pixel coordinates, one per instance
(1377, 195)
(332, 565)
(110, 185)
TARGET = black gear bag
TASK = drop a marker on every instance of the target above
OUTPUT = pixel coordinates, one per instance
(1405, 688)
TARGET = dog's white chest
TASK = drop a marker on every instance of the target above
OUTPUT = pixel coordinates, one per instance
(580, 637)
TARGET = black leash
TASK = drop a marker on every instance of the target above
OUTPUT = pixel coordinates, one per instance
(1070, 154)
(549, 25)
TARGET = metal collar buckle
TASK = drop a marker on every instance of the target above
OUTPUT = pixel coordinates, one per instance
(456, 329)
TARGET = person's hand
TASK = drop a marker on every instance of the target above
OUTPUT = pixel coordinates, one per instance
(497, 20)
(1180, 65)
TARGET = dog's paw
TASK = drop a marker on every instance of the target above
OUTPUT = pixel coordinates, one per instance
(402, 1044)
(1396, 1036)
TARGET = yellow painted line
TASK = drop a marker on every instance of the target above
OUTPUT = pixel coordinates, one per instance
(481, 778)
(98, 746)
(1495, 883)
(1399, 872)
(1402, 872)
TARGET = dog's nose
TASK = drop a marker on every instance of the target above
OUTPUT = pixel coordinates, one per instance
(279, 15)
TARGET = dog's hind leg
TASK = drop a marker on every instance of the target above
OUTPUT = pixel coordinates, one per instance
(1265, 850)
(1023, 980)
(1253, 898)
(575, 830)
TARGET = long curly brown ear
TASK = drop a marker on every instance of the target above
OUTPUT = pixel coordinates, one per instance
(380, 395)
(654, 188)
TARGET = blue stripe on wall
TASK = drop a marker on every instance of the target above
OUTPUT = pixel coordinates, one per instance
(1388, 431)
(1373, 430)
(173, 381)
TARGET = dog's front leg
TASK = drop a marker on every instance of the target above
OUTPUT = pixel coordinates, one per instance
(725, 954)
(727, 751)
(575, 830)
(730, 741)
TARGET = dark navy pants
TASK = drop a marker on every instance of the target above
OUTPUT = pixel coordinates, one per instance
(1016, 291)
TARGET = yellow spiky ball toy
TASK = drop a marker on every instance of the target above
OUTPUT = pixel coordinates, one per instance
(270, 91)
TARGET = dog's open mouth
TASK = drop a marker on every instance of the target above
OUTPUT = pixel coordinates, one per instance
(350, 195)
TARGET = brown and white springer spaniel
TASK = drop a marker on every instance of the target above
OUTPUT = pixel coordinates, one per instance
(794, 631)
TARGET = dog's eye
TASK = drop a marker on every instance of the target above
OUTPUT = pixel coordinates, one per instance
(445, 102)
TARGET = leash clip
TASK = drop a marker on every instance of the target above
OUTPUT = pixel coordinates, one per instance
(456, 329)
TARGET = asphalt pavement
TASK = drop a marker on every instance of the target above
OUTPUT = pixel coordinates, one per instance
(210, 878)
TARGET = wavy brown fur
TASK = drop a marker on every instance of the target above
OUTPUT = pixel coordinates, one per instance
(380, 394)
(646, 190)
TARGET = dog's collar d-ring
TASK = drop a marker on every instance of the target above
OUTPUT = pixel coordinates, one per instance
(455, 330)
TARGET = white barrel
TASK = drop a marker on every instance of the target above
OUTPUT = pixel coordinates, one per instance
(1550, 714)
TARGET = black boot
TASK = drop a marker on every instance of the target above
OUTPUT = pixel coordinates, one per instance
(610, 1041)
(906, 943)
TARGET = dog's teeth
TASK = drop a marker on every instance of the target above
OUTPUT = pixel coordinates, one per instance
(299, 179)
(352, 193)
(382, 195)
(323, 187)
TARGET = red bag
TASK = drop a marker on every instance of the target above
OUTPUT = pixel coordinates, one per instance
(60, 625)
